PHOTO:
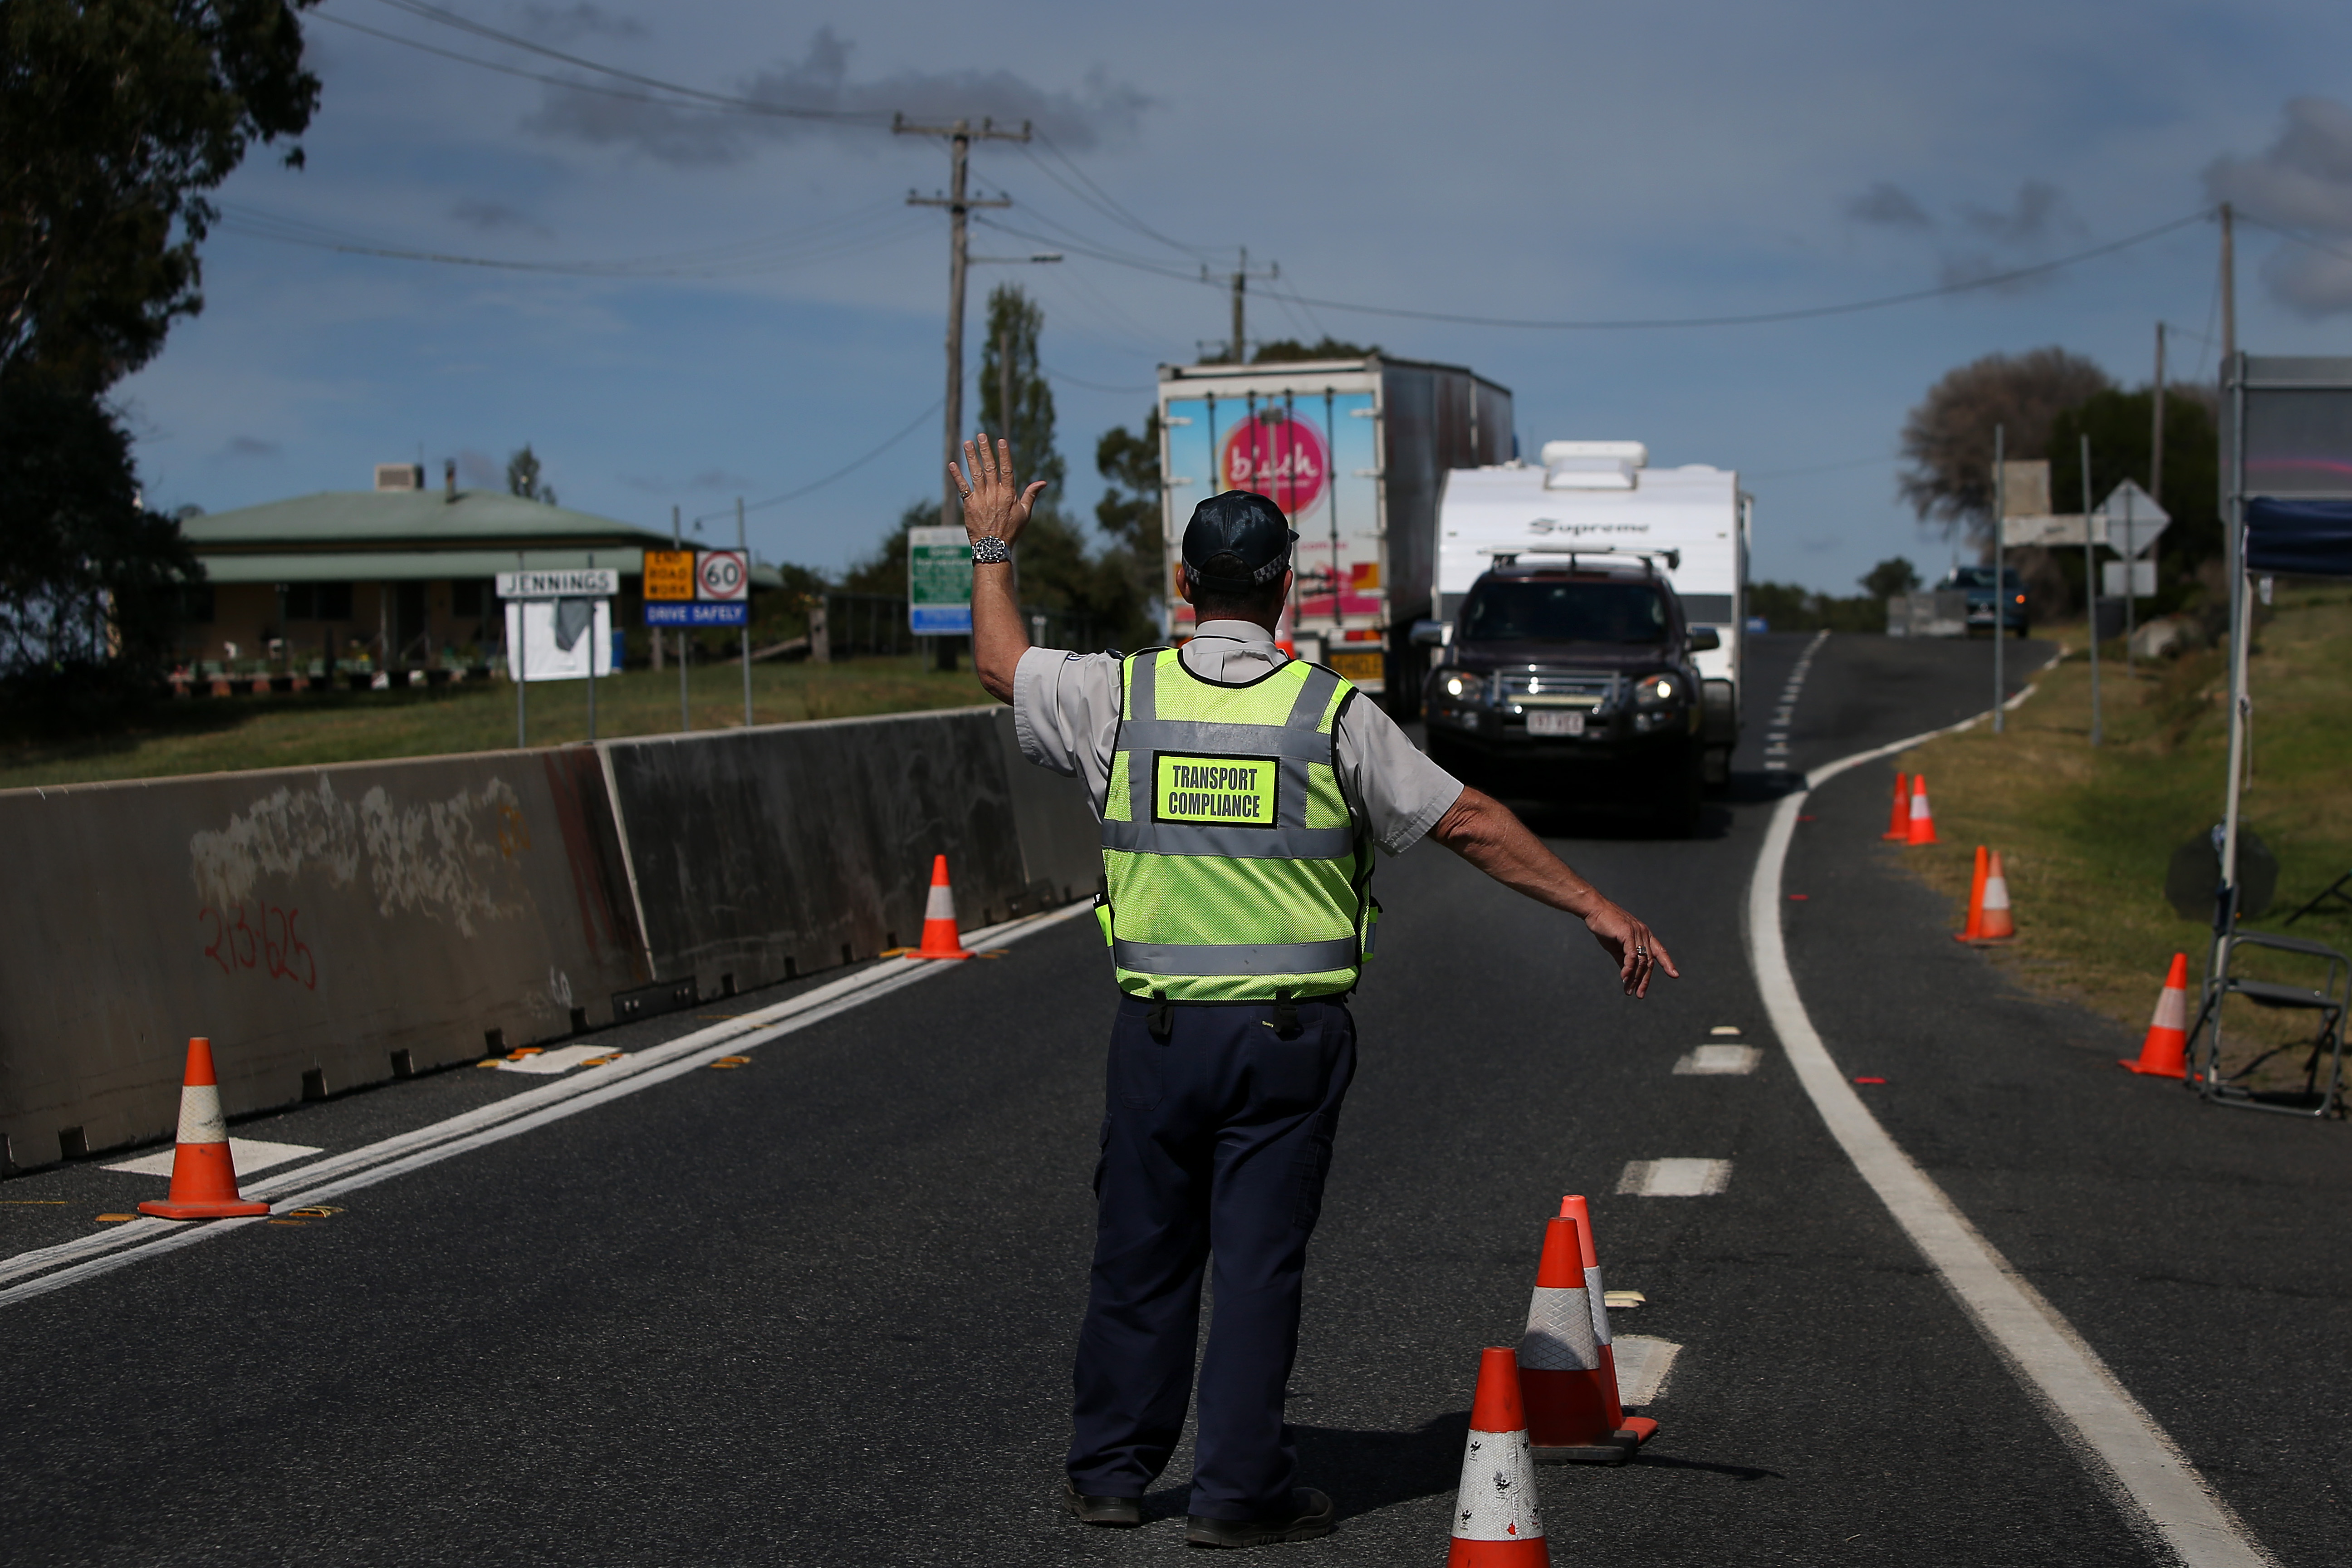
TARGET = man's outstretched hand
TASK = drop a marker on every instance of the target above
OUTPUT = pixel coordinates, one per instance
(1636, 949)
(994, 505)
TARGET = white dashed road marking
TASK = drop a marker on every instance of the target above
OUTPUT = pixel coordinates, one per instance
(1673, 1178)
(1776, 752)
(1643, 1363)
(1708, 1060)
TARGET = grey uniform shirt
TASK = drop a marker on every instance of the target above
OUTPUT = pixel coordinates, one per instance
(1065, 712)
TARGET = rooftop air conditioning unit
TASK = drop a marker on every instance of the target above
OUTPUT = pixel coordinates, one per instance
(1593, 465)
(400, 476)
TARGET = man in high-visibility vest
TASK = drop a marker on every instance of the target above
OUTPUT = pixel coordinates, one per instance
(1242, 793)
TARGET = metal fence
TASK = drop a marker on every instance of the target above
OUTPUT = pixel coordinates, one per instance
(875, 625)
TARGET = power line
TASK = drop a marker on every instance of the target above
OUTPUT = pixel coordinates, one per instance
(826, 241)
(842, 472)
(1763, 317)
(732, 101)
(2285, 233)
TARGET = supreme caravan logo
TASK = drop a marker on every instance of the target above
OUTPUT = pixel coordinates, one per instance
(1547, 525)
(1214, 791)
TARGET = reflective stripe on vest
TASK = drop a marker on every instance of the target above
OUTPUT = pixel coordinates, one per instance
(1234, 864)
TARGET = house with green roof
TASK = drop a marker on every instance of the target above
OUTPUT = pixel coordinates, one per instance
(399, 576)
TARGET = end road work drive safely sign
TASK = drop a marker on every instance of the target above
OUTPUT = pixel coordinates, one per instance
(938, 582)
(698, 588)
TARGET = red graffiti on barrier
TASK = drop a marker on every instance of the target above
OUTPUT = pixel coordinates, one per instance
(274, 946)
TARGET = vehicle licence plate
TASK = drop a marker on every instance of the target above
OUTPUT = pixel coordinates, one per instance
(1542, 723)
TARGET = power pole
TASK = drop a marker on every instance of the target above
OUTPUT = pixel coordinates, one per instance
(2001, 597)
(685, 719)
(961, 136)
(2090, 587)
(2229, 287)
(743, 544)
(1236, 349)
(2156, 438)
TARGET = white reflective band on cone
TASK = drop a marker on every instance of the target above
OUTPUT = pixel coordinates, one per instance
(1559, 1332)
(2171, 1011)
(1594, 1293)
(939, 905)
(1996, 893)
(1497, 1497)
(200, 1114)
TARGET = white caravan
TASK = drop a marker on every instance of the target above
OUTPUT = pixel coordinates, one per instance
(1601, 499)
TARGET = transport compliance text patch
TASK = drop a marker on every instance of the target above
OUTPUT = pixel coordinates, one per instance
(1220, 792)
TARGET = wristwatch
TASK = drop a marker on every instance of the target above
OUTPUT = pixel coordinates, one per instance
(990, 551)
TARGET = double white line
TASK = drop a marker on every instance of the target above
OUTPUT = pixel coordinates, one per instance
(50, 1268)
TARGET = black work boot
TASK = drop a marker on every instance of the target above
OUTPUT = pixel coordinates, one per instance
(1119, 1512)
(1311, 1515)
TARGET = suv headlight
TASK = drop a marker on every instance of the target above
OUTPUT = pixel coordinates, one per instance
(1660, 690)
(1461, 686)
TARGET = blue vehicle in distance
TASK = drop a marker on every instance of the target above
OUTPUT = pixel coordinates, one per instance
(1977, 583)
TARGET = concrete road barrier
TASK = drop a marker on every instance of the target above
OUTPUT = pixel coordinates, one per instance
(326, 927)
(332, 927)
(774, 852)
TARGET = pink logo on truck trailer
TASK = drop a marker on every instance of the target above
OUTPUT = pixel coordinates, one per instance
(1279, 458)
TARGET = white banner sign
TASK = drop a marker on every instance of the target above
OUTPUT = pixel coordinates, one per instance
(576, 583)
(552, 641)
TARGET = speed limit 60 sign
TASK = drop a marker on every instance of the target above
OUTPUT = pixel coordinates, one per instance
(723, 574)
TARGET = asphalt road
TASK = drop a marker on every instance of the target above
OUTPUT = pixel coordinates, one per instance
(821, 1307)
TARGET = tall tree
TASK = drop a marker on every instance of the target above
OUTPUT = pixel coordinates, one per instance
(2118, 424)
(1014, 323)
(522, 477)
(1948, 439)
(117, 116)
(89, 580)
(1290, 351)
(1131, 510)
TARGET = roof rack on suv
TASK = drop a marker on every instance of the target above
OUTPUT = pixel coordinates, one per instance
(1649, 558)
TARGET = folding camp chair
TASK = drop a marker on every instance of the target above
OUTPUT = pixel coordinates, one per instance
(2327, 1001)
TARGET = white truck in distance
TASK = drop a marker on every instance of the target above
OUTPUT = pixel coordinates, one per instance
(1601, 500)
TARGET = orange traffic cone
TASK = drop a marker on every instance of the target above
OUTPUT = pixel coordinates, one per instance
(1996, 924)
(204, 1176)
(940, 938)
(1639, 1429)
(1898, 821)
(1975, 930)
(1922, 827)
(1568, 1374)
(1496, 1520)
(2165, 1054)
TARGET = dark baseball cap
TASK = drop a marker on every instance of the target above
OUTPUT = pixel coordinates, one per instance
(1246, 526)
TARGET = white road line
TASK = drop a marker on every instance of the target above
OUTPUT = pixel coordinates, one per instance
(1673, 1178)
(1643, 1363)
(1709, 1061)
(2161, 1496)
(108, 1250)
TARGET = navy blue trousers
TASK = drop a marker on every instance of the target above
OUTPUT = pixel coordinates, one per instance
(1214, 1144)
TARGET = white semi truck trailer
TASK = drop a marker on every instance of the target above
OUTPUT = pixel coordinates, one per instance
(1356, 453)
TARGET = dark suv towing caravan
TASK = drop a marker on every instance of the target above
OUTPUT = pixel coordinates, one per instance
(1573, 679)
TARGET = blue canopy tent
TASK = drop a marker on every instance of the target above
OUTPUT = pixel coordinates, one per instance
(2286, 435)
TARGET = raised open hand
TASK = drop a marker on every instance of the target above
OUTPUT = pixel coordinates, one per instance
(993, 504)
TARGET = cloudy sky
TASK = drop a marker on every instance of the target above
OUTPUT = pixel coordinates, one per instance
(735, 301)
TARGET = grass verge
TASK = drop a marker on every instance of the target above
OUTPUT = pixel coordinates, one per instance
(2086, 834)
(215, 734)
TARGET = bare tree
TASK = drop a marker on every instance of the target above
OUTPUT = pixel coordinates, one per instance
(1948, 439)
